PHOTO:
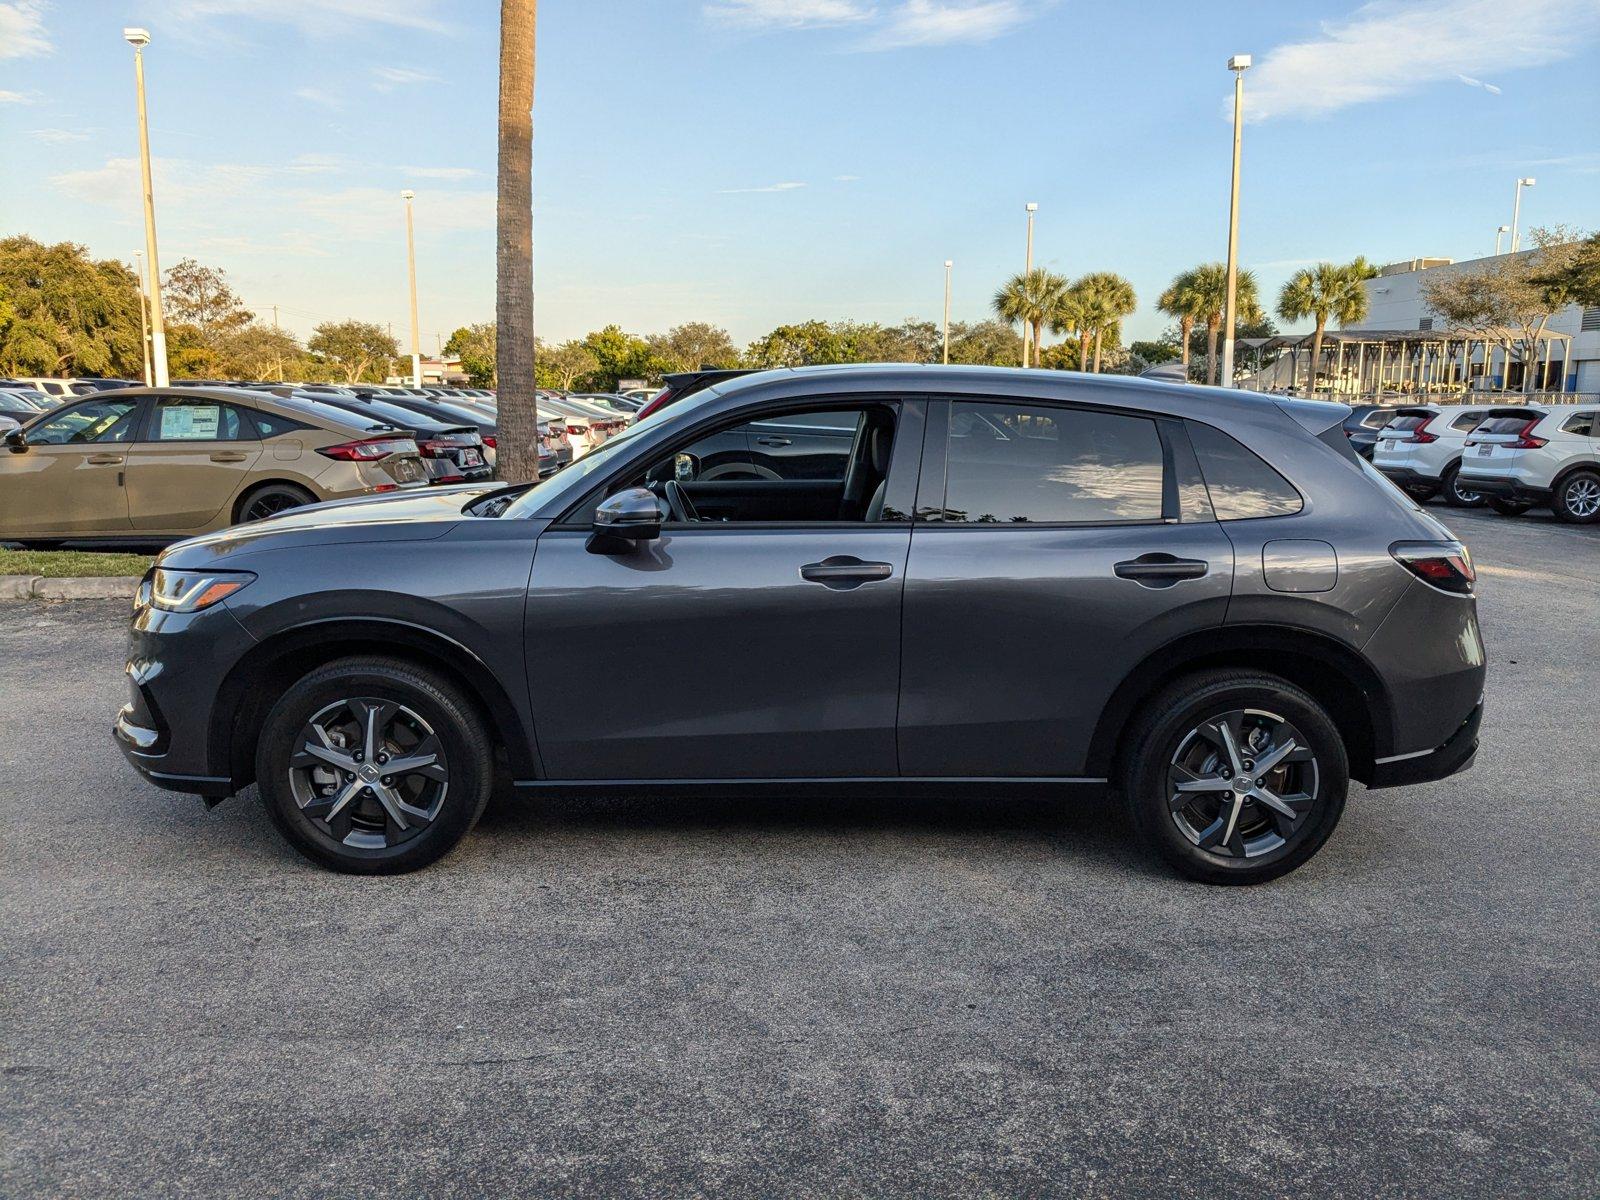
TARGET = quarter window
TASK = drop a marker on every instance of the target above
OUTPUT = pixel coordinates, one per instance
(93, 421)
(1240, 483)
(1014, 464)
(1467, 422)
(1580, 423)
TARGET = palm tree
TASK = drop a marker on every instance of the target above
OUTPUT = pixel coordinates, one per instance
(1210, 292)
(1031, 298)
(1071, 316)
(1325, 291)
(1108, 298)
(1182, 301)
(517, 456)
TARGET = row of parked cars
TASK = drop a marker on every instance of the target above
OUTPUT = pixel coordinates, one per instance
(140, 464)
(1511, 458)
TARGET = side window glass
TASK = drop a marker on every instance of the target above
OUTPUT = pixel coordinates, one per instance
(1018, 464)
(197, 420)
(1467, 422)
(1580, 423)
(270, 425)
(1240, 483)
(94, 421)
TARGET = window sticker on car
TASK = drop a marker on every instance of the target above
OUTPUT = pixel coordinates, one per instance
(190, 422)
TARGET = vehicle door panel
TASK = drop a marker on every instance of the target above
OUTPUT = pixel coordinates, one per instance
(180, 483)
(71, 486)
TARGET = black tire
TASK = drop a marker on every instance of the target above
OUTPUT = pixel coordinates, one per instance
(1577, 498)
(437, 704)
(1422, 492)
(1509, 508)
(268, 500)
(1263, 846)
(1458, 497)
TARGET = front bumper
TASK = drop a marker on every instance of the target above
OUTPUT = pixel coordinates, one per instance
(1506, 487)
(1456, 755)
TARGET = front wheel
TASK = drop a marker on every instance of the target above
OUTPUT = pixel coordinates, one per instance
(374, 765)
(1234, 776)
(1577, 500)
(1509, 508)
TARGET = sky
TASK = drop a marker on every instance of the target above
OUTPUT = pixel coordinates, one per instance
(756, 162)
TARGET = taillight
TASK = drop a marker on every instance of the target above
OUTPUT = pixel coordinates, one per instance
(1421, 434)
(368, 450)
(1444, 565)
(490, 442)
(1525, 439)
(659, 402)
(580, 430)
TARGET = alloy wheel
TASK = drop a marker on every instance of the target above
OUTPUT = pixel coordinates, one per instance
(1242, 784)
(369, 773)
(270, 504)
(1464, 496)
(1582, 497)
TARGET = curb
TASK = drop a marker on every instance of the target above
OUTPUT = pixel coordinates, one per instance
(41, 587)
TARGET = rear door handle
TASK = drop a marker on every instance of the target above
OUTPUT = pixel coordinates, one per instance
(841, 572)
(1161, 570)
(103, 460)
(774, 441)
(228, 456)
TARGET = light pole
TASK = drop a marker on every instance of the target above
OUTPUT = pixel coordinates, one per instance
(139, 39)
(1516, 210)
(411, 267)
(1028, 270)
(1238, 64)
(144, 318)
(1498, 234)
(948, 263)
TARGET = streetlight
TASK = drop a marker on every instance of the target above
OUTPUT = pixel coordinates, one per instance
(1516, 210)
(1498, 233)
(1238, 64)
(144, 320)
(948, 263)
(1032, 208)
(411, 266)
(139, 39)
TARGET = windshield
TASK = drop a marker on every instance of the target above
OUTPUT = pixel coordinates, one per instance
(570, 479)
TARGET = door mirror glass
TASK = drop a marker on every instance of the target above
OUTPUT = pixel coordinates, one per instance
(685, 467)
(633, 515)
(16, 440)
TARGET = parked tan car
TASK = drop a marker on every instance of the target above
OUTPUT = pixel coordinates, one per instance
(147, 463)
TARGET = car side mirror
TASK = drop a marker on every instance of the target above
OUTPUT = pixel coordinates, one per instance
(622, 521)
(16, 441)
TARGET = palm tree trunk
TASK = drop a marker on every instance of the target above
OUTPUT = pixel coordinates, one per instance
(1083, 350)
(1212, 324)
(1097, 351)
(1038, 328)
(517, 455)
(1316, 356)
(1186, 328)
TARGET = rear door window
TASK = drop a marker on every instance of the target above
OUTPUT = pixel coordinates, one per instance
(1241, 483)
(1010, 464)
(181, 419)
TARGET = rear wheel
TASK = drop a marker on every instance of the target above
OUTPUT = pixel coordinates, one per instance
(374, 765)
(1458, 496)
(1577, 499)
(269, 500)
(1509, 508)
(1422, 492)
(1234, 776)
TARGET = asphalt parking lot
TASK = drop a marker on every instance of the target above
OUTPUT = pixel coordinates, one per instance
(781, 998)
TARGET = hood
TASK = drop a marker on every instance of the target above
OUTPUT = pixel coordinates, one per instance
(416, 515)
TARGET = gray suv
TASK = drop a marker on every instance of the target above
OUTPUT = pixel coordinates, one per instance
(970, 579)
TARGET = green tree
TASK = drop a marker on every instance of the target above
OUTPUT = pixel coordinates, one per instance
(474, 345)
(1210, 287)
(1570, 267)
(1183, 301)
(1031, 298)
(982, 343)
(693, 345)
(67, 314)
(517, 457)
(261, 352)
(1327, 291)
(360, 349)
(1155, 352)
(1107, 299)
(560, 367)
(198, 295)
(619, 355)
(805, 344)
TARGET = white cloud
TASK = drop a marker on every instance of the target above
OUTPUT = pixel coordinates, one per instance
(440, 172)
(1478, 83)
(320, 18)
(314, 95)
(390, 78)
(786, 14)
(845, 178)
(927, 23)
(1390, 47)
(771, 187)
(57, 137)
(22, 32)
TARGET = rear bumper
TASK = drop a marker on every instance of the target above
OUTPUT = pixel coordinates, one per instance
(1506, 487)
(1455, 755)
(1407, 476)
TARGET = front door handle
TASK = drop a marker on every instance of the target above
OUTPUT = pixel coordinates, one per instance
(842, 572)
(226, 456)
(774, 441)
(1161, 570)
(103, 460)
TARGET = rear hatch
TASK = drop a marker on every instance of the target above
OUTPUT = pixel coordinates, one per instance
(458, 451)
(1407, 429)
(1502, 438)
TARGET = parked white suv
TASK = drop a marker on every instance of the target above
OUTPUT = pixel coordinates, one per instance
(1520, 457)
(1420, 449)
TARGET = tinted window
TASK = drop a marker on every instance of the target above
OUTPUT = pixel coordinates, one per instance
(1240, 483)
(1467, 422)
(1582, 423)
(1408, 422)
(13, 403)
(1514, 424)
(270, 425)
(1010, 464)
(94, 421)
(188, 420)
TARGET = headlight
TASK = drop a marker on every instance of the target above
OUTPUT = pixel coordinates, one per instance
(191, 591)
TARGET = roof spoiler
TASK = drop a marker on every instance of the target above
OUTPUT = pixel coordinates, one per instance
(1314, 416)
